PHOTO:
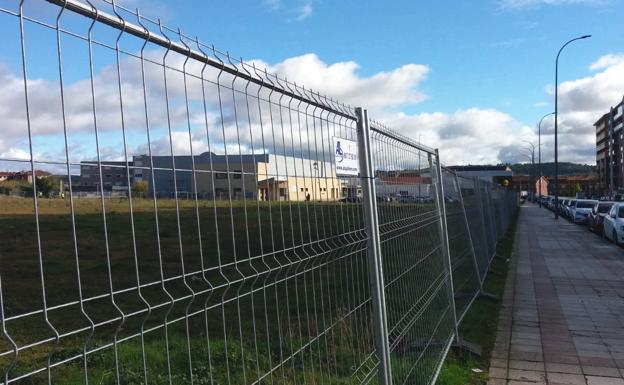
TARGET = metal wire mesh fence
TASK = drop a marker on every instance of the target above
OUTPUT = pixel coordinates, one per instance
(466, 281)
(187, 217)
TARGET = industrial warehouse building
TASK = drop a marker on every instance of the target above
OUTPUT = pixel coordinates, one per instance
(248, 176)
(496, 175)
(251, 176)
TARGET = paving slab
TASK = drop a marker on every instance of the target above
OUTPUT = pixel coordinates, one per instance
(562, 317)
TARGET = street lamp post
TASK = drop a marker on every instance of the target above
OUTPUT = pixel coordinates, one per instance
(556, 114)
(532, 172)
(539, 153)
(531, 159)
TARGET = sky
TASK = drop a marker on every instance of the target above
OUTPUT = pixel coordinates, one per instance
(470, 78)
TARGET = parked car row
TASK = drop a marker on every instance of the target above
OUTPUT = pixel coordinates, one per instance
(605, 218)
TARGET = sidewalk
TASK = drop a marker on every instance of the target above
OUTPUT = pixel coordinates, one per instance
(562, 320)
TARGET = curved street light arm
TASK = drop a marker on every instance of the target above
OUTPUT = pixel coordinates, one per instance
(556, 115)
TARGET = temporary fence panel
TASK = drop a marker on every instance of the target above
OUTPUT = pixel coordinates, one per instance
(419, 309)
(267, 284)
(466, 281)
(488, 214)
(473, 206)
(241, 229)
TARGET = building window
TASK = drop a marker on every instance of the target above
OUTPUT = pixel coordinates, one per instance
(237, 174)
(221, 193)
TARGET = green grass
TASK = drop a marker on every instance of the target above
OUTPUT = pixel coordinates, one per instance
(457, 370)
(480, 323)
(278, 313)
(332, 280)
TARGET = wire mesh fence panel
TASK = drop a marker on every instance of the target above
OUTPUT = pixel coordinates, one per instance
(498, 211)
(488, 215)
(473, 206)
(187, 217)
(420, 321)
(505, 202)
(214, 240)
(466, 281)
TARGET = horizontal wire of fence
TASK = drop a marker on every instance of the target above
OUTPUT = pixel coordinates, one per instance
(184, 216)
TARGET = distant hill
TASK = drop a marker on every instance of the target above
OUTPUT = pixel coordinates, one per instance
(548, 169)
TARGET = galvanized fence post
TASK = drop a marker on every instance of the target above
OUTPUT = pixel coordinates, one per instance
(493, 227)
(446, 254)
(472, 249)
(486, 244)
(369, 203)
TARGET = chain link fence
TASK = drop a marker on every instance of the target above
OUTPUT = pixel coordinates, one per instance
(188, 217)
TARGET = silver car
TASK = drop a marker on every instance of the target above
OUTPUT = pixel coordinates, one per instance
(570, 208)
(613, 225)
(582, 209)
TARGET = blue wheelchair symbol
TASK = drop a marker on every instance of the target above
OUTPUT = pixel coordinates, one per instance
(339, 152)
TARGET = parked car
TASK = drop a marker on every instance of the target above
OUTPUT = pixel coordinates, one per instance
(582, 209)
(550, 203)
(613, 225)
(596, 216)
(570, 208)
(555, 204)
(407, 199)
(565, 209)
(563, 206)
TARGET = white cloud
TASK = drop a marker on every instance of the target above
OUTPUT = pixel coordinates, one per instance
(594, 94)
(304, 11)
(295, 10)
(341, 81)
(472, 135)
(607, 61)
(467, 135)
(583, 101)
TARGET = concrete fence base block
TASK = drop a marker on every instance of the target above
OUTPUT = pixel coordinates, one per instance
(467, 346)
(489, 296)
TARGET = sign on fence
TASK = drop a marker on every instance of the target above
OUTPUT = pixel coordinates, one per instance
(346, 153)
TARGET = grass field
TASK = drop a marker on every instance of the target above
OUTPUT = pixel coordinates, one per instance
(273, 291)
